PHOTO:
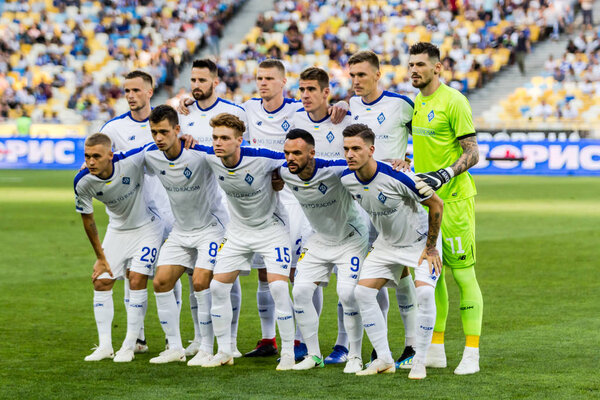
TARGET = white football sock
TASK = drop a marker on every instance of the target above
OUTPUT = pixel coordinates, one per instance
(307, 319)
(168, 315)
(266, 310)
(177, 290)
(236, 305)
(207, 337)
(142, 333)
(221, 314)
(318, 299)
(352, 319)
(373, 321)
(407, 303)
(135, 316)
(103, 312)
(383, 299)
(342, 336)
(425, 321)
(194, 311)
(284, 312)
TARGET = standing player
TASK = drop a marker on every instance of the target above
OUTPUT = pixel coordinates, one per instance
(132, 239)
(193, 242)
(445, 147)
(130, 131)
(204, 79)
(407, 238)
(389, 116)
(340, 240)
(258, 226)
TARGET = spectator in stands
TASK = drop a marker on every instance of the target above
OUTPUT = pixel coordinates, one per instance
(542, 110)
(23, 123)
(522, 48)
(587, 10)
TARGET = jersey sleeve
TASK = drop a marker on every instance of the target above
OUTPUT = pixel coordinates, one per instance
(405, 186)
(461, 117)
(83, 198)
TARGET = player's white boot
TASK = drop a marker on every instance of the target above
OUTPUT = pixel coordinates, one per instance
(417, 371)
(193, 348)
(378, 366)
(436, 356)
(309, 362)
(170, 355)
(100, 353)
(469, 363)
(236, 353)
(286, 362)
(353, 365)
(199, 359)
(124, 354)
(218, 360)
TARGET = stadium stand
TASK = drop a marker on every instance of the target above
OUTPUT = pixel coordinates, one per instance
(63, 61)
(568, 90)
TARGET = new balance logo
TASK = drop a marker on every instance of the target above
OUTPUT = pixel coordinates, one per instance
(99, 193)
(191, 123)
(131, 137)
(259, 123)
(163, 172)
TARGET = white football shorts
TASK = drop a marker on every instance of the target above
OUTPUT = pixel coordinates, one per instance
(196, 249)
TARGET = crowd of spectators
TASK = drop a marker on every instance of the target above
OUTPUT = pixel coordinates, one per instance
(476, 39)
(63, 61)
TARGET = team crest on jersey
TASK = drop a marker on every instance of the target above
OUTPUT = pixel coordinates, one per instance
(380, 118)
(249, 179)
(126, 180)
(285, 125)
(330, 136)
(430, 116)
(187, 172)
(382, 198)
(322, 188)
(132, 137)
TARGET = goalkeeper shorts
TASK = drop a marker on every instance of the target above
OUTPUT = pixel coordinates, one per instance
(458, 233)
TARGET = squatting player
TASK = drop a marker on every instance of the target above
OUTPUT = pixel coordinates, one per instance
(389, 116)
(340, 240)
(445, 147)
(132, 239)
(408, 237)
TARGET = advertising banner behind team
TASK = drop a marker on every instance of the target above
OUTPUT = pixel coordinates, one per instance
(35, 153)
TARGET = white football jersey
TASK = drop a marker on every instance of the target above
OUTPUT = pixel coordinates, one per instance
(251, 200)
(392, 202)
(329, 142)
(390, 119)
(126, 133)
(191, 188)
(197, 122)
(325, 201)
(121, 192)
(268, 129)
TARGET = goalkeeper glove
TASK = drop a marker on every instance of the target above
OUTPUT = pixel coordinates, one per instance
(429, 182)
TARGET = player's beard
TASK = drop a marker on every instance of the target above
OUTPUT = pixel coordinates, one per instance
(423, 83)
(199, 96)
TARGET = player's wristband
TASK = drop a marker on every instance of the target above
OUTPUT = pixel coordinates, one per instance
(446, 174)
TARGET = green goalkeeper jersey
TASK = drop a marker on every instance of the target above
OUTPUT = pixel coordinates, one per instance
(439, 121)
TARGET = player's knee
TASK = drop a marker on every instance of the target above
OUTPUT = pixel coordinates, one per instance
(219, 291)
(346, 295)
(102, 285)
(161, 284)
(137, 281)
(426, 296)
(303, 294)
(365, 295)
(201, 282)
(279, 291)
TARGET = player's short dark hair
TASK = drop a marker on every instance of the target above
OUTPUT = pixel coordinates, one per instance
(98, 138)
(229, 121)
(364, 56)
(360, 130)
(298, 133)
(163, 112)
(425, 48)
(316, 74)
(146, 77)
(206, 63)
(272, 63)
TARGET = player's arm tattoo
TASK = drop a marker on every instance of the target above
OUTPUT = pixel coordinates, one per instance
(469, 157)
(435, 222)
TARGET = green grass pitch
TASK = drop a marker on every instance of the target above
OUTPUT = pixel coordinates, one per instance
(538, 249)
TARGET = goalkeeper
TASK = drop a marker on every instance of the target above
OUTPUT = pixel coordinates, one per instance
(445, 147)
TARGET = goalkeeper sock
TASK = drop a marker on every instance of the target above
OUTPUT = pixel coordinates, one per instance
(441, 304)
(471, 301)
